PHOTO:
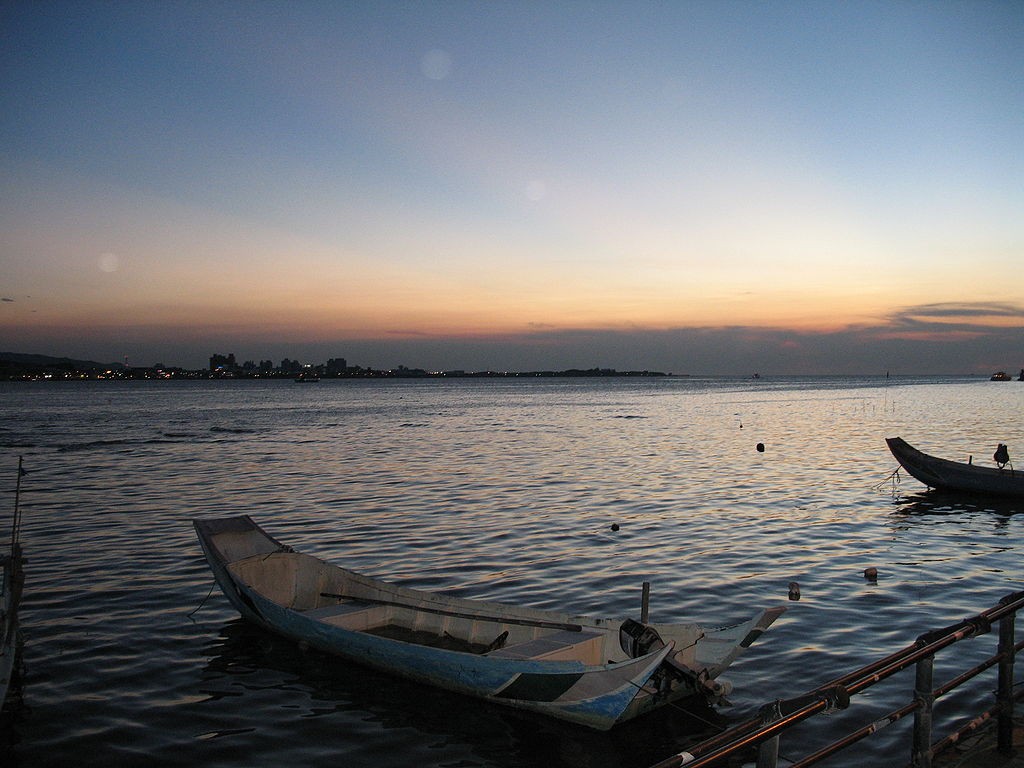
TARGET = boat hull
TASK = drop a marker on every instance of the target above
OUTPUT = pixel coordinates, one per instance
(954, 476)
(552, 663)
(11, 582)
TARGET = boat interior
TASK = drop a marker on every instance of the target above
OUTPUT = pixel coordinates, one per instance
(347, 600)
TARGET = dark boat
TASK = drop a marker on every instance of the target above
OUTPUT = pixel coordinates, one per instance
(956, 476)
(12, 580)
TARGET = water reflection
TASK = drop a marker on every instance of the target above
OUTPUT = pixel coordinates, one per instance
(297, 683)
(933, 502)
(496, 490)
(14, 710)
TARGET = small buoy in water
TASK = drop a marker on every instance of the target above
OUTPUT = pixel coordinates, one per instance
(760, 447)
(794, 591)
(615, 526)
(871, 574)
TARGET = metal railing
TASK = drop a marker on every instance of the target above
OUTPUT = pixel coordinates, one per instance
(765, 730)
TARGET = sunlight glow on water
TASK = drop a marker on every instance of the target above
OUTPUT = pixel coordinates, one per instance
(496, 489)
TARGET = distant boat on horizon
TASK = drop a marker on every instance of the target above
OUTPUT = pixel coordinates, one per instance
(1003, 376)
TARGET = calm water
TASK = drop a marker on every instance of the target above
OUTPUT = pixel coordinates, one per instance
(497, 489)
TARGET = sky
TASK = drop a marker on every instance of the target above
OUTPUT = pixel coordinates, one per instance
(692, 187)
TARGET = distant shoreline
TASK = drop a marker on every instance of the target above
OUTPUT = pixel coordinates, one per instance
(24, 367)
(135, 375)
(17, 367)
(382, 376)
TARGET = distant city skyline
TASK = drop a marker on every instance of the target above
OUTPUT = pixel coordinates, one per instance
(907, 347)
(701, 187)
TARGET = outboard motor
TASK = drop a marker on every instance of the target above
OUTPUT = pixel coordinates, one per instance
(639, 639)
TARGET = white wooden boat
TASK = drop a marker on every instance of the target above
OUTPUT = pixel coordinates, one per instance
(956, 476)
(596, 672)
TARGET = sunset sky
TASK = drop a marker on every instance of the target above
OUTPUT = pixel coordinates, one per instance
(695, 187)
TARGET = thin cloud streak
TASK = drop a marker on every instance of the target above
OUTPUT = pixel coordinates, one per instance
(937, 314)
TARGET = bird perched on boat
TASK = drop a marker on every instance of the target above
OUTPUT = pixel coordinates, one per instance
(1001, 456)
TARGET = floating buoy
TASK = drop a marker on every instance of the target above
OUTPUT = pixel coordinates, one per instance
(794, 591)
(871, 574)
(760, 447)
(615, 526)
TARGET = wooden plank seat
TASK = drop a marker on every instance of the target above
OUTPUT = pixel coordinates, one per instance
(337, 609)
(564, 645)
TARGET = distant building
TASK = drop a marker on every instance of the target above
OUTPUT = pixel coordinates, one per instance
(224, 364)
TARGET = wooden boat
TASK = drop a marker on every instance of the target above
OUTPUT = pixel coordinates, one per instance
(12, 580)
(596, 672)
(956, 476)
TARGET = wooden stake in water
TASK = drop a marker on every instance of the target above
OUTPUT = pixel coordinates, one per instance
(645, 600)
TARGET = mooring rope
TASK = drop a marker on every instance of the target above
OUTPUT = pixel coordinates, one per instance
(718, 726)
(203, 602)
(721, 728)
(894, 477)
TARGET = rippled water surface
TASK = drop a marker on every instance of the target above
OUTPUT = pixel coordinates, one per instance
(497, 489)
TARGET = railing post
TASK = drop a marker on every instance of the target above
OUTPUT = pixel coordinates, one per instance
(1004, 694)
(768, 753)
(768, 750)
(921, 756)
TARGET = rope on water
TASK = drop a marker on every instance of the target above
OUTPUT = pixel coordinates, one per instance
(894, 477)
(203, 602)
(685, 711)
(690, 713)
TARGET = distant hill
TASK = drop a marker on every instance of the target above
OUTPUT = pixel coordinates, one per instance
(11, 362)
